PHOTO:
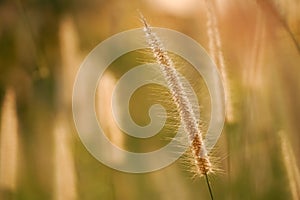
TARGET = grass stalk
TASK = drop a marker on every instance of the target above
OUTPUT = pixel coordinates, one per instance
(184, 106)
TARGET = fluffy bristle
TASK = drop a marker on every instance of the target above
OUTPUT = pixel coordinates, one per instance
(201, 159)
(180, 98)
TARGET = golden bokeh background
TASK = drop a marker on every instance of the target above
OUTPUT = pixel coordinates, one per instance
(42, 44)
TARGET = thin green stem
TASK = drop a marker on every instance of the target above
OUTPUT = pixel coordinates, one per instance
(209, 187)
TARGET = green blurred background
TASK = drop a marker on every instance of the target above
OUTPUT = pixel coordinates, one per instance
(43, 42)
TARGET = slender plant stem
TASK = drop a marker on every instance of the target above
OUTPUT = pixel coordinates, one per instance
(209, 187)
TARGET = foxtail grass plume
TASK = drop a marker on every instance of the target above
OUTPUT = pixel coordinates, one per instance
(179, 96)
(187, 116)
(215, 50)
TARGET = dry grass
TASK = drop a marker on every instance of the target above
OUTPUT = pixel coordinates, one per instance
(291, 166)
(180, 98)
(105, 115)
(65, 179)
(216, 52)
(9, 143)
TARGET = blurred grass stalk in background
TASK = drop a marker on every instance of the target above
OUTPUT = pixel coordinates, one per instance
(9, 146)
(291, 166)
(105, 115)
(65, 180)
(216, 52)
